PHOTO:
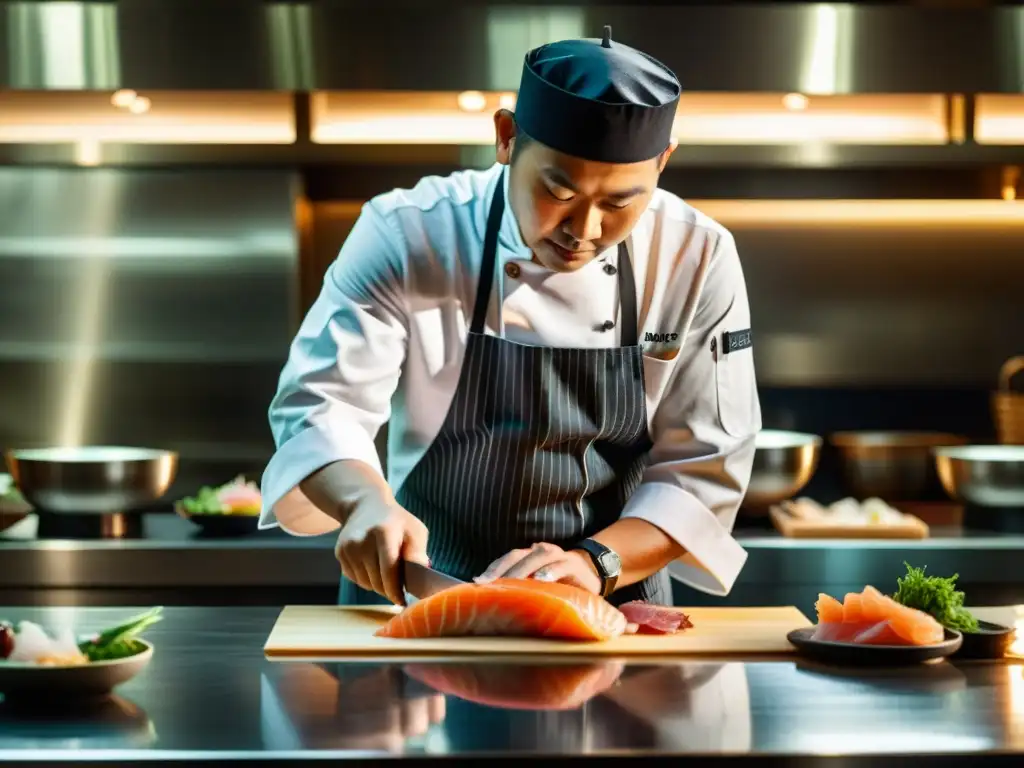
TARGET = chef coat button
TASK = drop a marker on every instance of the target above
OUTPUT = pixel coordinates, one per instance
(609, 269)
(607, 325)
(512, 270)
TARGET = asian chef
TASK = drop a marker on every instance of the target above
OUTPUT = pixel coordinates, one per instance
(562, 350)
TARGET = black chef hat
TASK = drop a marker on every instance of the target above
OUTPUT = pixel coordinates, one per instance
(597, 99)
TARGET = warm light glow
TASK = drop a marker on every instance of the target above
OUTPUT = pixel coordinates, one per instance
(172, 117)
(795, 101)
(88, 153)
(472, 101)
(725, 118)
(703, 118)
(123, 98)
(139, 106)
(999, 119)
(810, 214)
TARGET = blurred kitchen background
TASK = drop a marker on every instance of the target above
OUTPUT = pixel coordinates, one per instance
(175, 177)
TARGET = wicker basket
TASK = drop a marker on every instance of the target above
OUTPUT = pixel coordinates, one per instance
(1008, 406)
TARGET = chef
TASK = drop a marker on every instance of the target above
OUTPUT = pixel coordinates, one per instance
(562, 350)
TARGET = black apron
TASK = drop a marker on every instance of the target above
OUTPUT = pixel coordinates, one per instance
(540, 444)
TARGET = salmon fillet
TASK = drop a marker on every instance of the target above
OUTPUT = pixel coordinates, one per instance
(510, 608)
(869, 617)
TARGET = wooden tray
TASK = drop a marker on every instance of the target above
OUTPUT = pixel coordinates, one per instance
(796, 527)
(318, 631)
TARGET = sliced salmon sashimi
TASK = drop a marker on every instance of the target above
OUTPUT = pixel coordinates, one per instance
(510, 608)
(869, 617)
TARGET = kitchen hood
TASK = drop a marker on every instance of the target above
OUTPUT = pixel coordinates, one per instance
(809, 48)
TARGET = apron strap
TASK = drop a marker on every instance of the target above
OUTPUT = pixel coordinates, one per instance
(483, 288)
(628, 335)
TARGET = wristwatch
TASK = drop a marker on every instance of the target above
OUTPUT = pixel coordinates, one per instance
(607, 563)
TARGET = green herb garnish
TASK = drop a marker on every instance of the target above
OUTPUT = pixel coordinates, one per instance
(936, 596)
(206, 502)
(121, 641)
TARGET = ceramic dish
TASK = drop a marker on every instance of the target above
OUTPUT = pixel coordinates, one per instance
(991, 641)
(221, 525)
(96, 679)
(861, 654)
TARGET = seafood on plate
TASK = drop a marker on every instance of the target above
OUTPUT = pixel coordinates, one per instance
(30, 643)
(239, 497)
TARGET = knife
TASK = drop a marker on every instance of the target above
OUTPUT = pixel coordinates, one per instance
(419, 581)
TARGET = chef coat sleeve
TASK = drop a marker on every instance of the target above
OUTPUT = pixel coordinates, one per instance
(703, 428)
(335, 389)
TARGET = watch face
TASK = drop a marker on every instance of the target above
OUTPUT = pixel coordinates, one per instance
(610, 563)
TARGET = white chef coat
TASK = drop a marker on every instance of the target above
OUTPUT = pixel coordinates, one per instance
(385, 338)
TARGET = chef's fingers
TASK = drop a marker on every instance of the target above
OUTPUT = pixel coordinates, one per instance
(389, 546)
(414, 542)
(499, 567)
(540, 556)
(561, 569)
(350, 570)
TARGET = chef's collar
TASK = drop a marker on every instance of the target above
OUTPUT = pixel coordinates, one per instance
(509, 236)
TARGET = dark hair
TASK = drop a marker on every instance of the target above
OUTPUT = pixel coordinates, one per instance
(523, 140)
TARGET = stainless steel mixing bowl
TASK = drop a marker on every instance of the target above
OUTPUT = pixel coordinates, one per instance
(891, 465)
(92, 479)
(784, 463)
(985, 475)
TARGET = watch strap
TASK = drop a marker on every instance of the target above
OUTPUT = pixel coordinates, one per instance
(596, 550)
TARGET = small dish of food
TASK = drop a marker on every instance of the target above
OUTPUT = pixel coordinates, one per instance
(869, 628)
(35, 663)
(232, 509)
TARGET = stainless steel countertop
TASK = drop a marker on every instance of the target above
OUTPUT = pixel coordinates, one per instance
(210, 694)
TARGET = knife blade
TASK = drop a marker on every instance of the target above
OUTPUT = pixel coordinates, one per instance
(419, 581)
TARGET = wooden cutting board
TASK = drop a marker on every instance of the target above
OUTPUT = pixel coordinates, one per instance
(910, 527)
(317, 631)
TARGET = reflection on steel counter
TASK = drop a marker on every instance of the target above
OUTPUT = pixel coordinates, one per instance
(480, 705)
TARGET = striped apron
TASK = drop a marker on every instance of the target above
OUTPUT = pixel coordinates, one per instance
(540, 444)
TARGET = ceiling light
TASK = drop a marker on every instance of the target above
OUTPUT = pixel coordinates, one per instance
(139, 106)
(472, 101)
(795, 101)
(123, 98)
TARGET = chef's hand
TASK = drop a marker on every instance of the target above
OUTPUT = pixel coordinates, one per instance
(375, 536)
(546, 562)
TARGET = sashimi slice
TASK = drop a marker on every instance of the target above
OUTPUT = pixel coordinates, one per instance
(861, 633)
(853, 610)
(829, 609)
(510, 608)
(874, 605)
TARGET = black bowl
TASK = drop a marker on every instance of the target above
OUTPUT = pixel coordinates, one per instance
(991, 641)
(223, 525)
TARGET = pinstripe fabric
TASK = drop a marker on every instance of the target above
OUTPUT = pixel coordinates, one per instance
(539, 443)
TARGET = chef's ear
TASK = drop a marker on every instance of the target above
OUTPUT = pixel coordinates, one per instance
(504, 135)
(663, 158)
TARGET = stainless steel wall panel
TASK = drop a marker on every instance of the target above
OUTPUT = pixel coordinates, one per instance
(407, 44)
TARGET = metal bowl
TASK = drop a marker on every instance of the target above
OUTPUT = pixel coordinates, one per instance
(784, 463)
(985, 475)
(92, 479)
(891, 465)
